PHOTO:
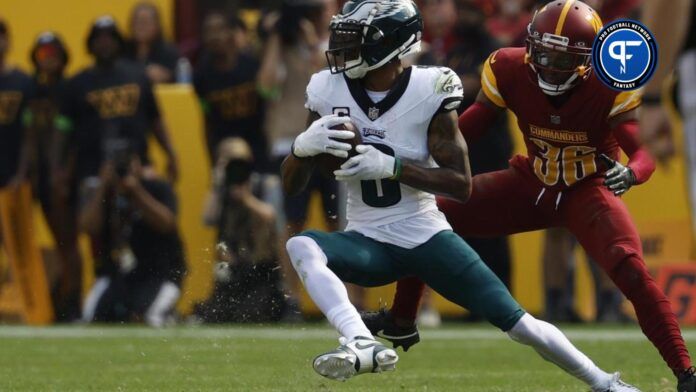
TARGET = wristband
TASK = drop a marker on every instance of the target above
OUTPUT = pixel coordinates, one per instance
(398, 168)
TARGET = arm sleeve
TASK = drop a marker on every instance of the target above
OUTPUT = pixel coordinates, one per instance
(475, 120)
(639, 159)
(489, 82)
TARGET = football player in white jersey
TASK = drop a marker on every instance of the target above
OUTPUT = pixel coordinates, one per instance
(412, 149)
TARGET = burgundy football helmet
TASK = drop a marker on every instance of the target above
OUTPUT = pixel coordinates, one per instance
(559, 44)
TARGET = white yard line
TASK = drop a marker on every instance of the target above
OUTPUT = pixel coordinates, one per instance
(296, 333)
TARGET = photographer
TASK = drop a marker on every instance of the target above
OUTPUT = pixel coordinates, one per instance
(138, 253)
(247, 274)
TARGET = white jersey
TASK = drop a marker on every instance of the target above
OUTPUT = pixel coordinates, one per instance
(388, 210)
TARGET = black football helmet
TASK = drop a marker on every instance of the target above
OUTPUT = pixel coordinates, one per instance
(369, 33)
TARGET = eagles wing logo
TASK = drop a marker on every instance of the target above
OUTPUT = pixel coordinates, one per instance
(386, 9)
(448, 83)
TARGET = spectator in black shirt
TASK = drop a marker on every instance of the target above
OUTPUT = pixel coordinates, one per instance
(112, 97)
(225, 81)
(50, 57)
(147, 46)
(15, 91)
(139, 255)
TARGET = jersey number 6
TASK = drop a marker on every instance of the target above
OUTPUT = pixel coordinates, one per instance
(381, 193)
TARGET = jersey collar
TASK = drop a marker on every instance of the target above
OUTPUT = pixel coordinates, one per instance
(375, 110)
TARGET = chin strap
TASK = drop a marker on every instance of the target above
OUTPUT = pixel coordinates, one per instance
(557, 89)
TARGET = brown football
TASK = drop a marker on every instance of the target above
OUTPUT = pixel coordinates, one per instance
(327, 163)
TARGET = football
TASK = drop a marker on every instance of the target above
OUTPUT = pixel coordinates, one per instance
(327, 163)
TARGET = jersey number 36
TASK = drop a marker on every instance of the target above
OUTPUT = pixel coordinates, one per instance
(576, 163)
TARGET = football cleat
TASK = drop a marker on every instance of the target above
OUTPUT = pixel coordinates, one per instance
(360, 355)
(617, 385)
(381, 324)
(687, 380)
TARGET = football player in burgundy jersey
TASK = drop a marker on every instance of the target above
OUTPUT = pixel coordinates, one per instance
(573, 127)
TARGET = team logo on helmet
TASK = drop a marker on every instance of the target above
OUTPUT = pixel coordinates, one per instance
(624, 55)
(386, 9)
(369, 33)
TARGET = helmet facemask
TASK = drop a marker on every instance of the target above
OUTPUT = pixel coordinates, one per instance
(558, 66)
(344, 47)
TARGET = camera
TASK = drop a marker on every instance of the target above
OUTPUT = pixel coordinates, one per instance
(237, 171)
(118, 151)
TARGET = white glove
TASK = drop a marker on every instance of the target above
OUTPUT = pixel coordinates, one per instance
(318, 138)
(369, 164)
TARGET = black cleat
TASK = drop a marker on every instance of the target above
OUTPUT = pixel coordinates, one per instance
(382, 324)
(687, 380)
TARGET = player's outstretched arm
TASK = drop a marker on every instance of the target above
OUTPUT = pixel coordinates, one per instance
(448, 148)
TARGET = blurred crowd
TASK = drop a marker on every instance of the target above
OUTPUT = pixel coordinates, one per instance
(81, 141)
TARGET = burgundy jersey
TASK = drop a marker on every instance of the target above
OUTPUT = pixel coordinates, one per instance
(563, 143)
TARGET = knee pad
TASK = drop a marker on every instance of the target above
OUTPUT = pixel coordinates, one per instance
(303, 249)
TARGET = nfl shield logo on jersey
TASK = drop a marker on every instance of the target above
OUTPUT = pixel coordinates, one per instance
(373, 113)
(555, 119)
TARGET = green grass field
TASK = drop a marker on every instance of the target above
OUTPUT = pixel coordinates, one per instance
(258, 358)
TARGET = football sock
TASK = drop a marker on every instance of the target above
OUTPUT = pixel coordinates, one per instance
(407, 298)
(554, 347)
(654, 311)
(325, 288)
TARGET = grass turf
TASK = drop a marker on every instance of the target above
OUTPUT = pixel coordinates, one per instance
(454, 358)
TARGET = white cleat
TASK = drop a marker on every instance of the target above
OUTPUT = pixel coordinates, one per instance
(617, 385)
(360, 355)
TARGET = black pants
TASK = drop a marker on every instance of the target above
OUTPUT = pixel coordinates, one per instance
(122, 299)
